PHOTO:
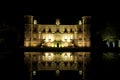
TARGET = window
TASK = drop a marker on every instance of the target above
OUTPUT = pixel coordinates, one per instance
(65, 56)
(57, 30)
(71, 31)
(80, 30)
(43, 30)
(35, 30)
(49, 30)
(80, 38)
(49, 56)
(65, 30)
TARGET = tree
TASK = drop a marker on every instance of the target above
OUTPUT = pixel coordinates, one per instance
(109, 33)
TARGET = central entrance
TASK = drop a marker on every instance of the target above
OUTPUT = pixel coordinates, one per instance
(57, 43)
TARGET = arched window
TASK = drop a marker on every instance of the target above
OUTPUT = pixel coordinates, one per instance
(35, 30)
(65, 30)
(57, 30)
(80, 30)
(49, 30)
(43, 30)
(71, 31)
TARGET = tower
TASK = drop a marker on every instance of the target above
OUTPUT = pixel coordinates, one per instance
(28, 30)
(83, 32)
(86, 30)
(28, 19)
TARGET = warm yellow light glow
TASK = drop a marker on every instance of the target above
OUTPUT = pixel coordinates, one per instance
(66, 44)
(43, 36)
(47, 34)
(71, 37)
(67, 56)
(49, 37)
(48, 56)
(35, 21)
(33, 44)
(80, 22)
(43, 57)
(62, 45)
(63, 40)
(52, 39)
(46, 40)
(68, 40)
(71, 57)
(26, 44)
(65, 37)
(55, 45)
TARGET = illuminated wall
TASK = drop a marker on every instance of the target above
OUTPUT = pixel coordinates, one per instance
(56, 35)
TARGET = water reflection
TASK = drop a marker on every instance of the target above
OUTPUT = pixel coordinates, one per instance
(85, 65)
(105, 66)
(110, 56)
(60, 61)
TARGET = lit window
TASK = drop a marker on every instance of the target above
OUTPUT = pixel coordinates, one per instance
(71, 57)
(43, 57)
(55, 45)
(71, 37)
(46, 40)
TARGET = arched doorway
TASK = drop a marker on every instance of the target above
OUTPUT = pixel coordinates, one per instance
(57, 44)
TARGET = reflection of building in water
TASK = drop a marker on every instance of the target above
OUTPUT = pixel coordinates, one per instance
(57, 35)
(57, 60)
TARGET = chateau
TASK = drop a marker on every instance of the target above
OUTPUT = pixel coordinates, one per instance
(57, 36)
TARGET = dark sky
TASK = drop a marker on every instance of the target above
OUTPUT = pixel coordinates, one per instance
(64, 19)
(47, 11)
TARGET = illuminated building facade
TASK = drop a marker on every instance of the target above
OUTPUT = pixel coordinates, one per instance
(57, 36)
